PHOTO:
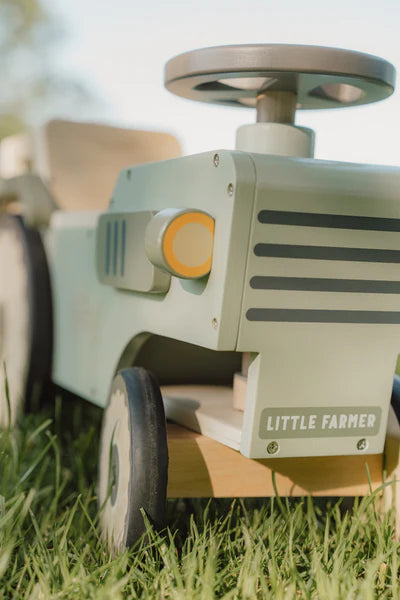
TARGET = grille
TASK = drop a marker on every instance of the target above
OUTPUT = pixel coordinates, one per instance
(293, 277)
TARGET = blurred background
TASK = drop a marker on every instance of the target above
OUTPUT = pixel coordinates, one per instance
(103, 61)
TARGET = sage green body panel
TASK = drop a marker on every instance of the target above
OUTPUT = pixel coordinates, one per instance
(95, 322)
(309, 207)
(317, 345)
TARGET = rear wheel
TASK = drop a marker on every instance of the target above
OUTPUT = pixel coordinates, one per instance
(25, 319)
(133, 462)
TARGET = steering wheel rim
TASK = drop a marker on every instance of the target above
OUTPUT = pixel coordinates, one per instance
(320, 77)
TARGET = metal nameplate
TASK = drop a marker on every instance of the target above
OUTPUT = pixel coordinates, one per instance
(318, 422)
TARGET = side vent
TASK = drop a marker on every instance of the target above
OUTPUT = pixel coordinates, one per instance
(120, 254)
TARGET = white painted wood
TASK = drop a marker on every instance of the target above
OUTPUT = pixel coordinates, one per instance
(239, 391)
(206, 409)
(115, 433)
(15, 325)
(276, 138)
(16, 155)
(27, 195)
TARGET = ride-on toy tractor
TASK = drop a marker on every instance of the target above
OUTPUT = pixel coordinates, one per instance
(250, 296)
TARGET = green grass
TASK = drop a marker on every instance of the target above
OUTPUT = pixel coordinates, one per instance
(50, 546)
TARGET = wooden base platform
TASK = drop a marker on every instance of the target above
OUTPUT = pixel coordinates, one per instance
(201, 467)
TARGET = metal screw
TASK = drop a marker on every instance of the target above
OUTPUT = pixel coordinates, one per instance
(362, 444)
(230, 189)
(214, 323)
(272, 447)
(216, 160)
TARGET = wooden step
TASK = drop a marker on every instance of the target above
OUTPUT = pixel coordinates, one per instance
(201, 467)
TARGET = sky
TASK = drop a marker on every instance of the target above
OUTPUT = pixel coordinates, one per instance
(119, 48)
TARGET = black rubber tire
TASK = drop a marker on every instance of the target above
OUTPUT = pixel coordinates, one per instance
(395, 399)
(39, 375)
(135, 417)
(35, 383)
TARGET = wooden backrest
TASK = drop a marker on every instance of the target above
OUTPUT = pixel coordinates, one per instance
(80, 162)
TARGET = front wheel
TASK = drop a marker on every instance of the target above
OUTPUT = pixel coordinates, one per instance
(133, 462)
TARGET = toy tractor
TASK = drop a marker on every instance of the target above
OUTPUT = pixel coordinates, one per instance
(250, 296)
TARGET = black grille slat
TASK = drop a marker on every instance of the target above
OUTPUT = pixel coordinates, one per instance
(295, 315)
(318, 284)
(327, 253)
(332, 221)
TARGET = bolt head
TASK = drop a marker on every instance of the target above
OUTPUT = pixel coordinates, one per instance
(214, 323)
(362, 444)
(230, 189)
(273, 447)
(216, 160)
